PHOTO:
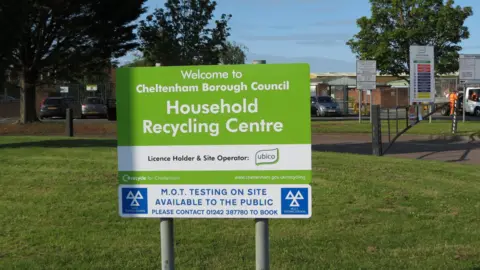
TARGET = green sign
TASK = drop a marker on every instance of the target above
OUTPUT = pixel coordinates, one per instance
(222, 124)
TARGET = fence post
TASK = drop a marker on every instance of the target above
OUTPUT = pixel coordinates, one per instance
(464, 102)
(359, 106)
(371, 104)
(69, 122)
(376, 131)
(455, 119)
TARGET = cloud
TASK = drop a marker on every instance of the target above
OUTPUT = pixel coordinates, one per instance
(336, 22)
(322, 42)
(317, 64)
(470, 47)
(316, 24)
(322, 39)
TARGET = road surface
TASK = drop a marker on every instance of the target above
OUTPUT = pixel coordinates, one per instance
(459, 150)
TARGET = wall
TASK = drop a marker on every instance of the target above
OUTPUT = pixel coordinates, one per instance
(389, 97)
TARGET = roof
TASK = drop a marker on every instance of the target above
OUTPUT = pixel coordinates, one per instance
(354, 74)
(399, 84)
(351, 82)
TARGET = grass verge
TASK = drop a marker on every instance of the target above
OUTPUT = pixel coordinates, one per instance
(109, 129)
(437, 127)
(59, 210)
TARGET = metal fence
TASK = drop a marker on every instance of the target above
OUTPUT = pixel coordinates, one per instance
(81, 91)
(10, 96)
(444, 86)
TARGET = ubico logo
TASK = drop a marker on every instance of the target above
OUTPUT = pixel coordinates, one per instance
(269, 156)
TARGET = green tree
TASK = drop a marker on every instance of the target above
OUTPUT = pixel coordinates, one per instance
(181, 34)
(11, 17)
(396, 24)
(234, 54)
(138, 61)
(66, 39)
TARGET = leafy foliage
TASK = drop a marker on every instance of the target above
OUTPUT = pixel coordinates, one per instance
(65, 37)
(181, 34)
(12, 13)
(70, 39)
(234, 54)
(396, 24)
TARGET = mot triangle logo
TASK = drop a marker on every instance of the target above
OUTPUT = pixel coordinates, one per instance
(134, 198)
(295, 198)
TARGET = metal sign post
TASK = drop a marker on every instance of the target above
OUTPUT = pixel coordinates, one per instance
(167, 244)
(359, 106)
(366, 80)
(464, 106)
(262, 241)
(167, 238)
(371, 105)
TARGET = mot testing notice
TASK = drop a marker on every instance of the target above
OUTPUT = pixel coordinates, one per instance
(219, 201)
(226, 141)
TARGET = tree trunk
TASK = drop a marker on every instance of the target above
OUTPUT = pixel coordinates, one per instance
(2, 82)
(28, 110)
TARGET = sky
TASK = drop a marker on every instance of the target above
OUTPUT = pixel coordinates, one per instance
(311, 31)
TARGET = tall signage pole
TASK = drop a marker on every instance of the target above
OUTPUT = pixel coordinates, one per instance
(206, 142)
(422, 76)
(469, 74)
(262, 241)
(167, 246)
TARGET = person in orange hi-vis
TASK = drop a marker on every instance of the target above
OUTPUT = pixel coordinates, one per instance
(453, 99)
(474, 96)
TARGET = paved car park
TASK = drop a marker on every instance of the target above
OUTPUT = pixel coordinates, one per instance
(455, 149)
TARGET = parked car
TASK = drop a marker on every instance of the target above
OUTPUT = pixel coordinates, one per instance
(324, 106)
(7, 99)
(55, 107)
(472, 104)
(93, 106)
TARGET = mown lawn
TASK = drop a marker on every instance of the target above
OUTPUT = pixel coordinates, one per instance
(59, 211)
(437, 127)
(109, 129)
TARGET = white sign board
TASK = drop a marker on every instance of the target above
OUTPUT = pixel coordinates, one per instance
(63, 89)
(91, 87)
(366, 74)
(422, 74)
(219, 201)
(469, 67)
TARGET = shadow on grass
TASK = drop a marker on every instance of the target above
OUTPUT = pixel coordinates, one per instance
(77, 143)
(413, 148)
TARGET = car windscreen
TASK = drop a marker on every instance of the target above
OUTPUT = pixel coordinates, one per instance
(93, 101)
(476, 91)
(325, 100)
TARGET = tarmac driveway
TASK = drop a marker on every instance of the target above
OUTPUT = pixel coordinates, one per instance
(458, 149)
